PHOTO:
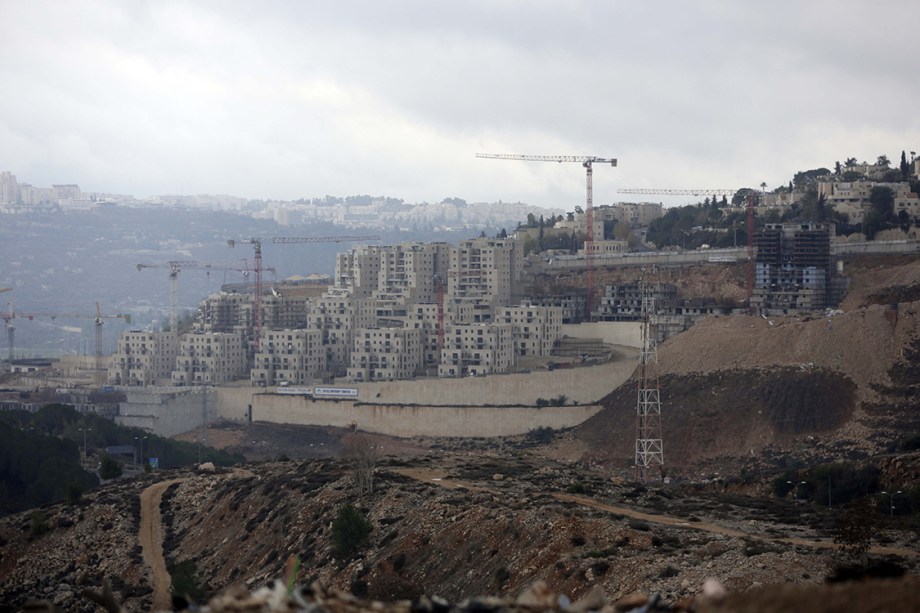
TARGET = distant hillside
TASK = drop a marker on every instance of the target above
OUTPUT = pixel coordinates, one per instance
(66, 262)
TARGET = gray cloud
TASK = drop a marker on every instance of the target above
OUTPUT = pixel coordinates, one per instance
(291, 99)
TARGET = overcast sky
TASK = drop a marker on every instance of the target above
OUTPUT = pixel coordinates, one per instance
(290, 99)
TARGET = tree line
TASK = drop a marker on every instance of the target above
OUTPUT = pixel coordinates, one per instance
(40, 453)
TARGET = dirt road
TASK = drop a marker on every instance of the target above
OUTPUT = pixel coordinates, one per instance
(151, 538)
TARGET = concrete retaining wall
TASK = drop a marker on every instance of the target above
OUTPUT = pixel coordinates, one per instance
(408, 421)
(622, 333)
(167, 413)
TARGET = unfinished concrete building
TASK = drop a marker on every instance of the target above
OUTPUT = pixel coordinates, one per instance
(794, 268)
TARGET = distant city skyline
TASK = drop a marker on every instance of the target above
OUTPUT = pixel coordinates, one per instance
(287, 100)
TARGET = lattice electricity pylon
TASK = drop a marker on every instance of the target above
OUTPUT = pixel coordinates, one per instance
(649, 447)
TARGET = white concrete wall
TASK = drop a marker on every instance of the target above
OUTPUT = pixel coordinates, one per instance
(167, 413)
(408, 421)
(623, 333)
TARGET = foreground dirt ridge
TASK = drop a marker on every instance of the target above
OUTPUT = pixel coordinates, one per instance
(437, 477)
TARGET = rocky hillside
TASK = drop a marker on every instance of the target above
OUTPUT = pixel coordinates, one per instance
(451, 525)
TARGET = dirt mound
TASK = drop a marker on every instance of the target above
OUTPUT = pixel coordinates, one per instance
(732, 412)
(882, 279)
(862, 345)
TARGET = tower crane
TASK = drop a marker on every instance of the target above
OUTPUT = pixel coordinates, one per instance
(8, 320)
(97, 318)
(174, 267)
(679, 192)
(258, 269)
(284, 240)
(588, 163)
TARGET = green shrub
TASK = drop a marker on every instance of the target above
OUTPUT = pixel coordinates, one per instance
(185, 581)
(350, 529)
(110, 468)
(577, 488)
(640, 525)
(911, 443)
(600, 567)
(39, 524)
(74, 492)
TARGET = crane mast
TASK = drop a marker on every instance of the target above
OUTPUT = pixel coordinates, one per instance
(678, 192)
(588, 162)
(98, 319)
(174, 267)
(258, 269)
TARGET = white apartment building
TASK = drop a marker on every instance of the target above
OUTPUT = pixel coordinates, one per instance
(386, 354)
(535, 328)
(335, 316)
(143, 358)
(9, 188)
(486, 270)
(358, 270)
(289, 357)
(411, 272)
(210, 358)
(424, 317)
(476, 349)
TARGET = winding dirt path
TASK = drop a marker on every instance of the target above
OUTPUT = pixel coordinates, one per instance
(437, 477)
(151, 538)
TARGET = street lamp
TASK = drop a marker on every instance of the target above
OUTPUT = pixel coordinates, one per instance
(141, 443)
(891, 501)
(84, 431)
(797, 485)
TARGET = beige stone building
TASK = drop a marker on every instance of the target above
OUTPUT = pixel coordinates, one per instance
(486, 270)
(476, 349)
(143, 358)
(852, 198)
(386, 354)
(209, 358)
(535, 328)
(289, 357)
